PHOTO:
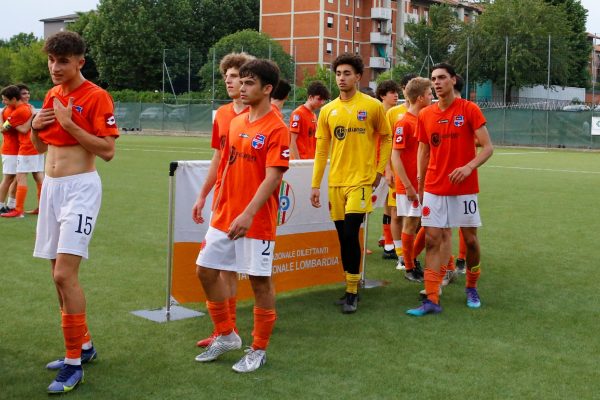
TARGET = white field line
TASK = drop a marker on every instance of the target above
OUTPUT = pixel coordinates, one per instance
(520, 153)
(570, 171)
(161, 150)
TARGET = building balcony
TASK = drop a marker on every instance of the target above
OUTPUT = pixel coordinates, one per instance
(381, 13)
(381, 38)
(379, 63)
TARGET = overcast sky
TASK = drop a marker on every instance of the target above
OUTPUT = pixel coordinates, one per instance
(24, 15)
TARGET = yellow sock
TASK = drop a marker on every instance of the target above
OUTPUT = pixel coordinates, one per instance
(352, 282)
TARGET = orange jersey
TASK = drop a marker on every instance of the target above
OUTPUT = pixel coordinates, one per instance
(277, 111)
(93, 111)
(25, 146)
(450, 135)
(405, 140)
(251, 148)
(15, 115)
(303, 123)
(223, 118)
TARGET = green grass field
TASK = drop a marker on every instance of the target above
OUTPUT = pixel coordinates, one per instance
(535, 337)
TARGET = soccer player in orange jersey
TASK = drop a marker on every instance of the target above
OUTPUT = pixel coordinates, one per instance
(28, 159)
(230, 69)
(387, 93)
(303, 122)
(404, 160)
(448, 185)
(15, 117)
(241, 236)
(76, 124)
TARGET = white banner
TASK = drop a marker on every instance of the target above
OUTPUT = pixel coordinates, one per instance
(595, 126)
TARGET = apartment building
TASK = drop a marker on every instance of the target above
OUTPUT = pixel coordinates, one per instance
(315, 32)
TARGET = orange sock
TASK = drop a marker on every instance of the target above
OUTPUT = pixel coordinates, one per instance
(451, 266)
(387, 235)
(232, 302)
(462, 247)
(219, 313)
(21, 196)
(472, 276)
(264, 321)
(73, 326)
(419, 243)
(408, 244)
(432, 285)
(87, 338)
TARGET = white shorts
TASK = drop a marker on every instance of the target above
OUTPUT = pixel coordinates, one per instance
(30, 163)
(69, 208)
(407, 208)
(9, 165)
(244, 255)
(450, 211)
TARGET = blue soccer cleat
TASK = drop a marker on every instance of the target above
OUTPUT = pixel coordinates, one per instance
(473, 300)
(427, 307)
(86, 356)
(68, 377)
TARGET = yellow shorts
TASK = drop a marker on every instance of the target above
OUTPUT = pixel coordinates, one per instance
(349, 200)
(391, 199)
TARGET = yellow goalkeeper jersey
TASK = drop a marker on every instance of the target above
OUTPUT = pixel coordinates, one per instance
(395, 114)
(355, 132)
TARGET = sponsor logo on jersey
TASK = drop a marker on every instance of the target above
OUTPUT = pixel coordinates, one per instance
(258, 141)
(222, 141)
(79, 109)
(285, 153)
(295, 124)
(339, 132)
(110, 120)
(436, 139)
(244, 135)
(399, 135)
(459, 121)
(295, 117)
(443, 121)
(287, 201)
(362, 115)
(234, 155)
(333, 113)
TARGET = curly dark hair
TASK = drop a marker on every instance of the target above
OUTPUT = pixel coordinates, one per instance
(346, 58)
(65, 44)
(317, 88)
(267, 72)
(386, 86)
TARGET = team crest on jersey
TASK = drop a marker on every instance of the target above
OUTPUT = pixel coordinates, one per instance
(287, 201)
(333, 113)
(110, 121)
(79, 109)
(459, 121)
(426, 211)
(296, 117)
(362, 115)
(258, 141)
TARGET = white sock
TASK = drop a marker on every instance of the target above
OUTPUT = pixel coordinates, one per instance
(388, 247)
(87, 345)
(398, 244)
(12, 202)
(73, 361)
(2, 205)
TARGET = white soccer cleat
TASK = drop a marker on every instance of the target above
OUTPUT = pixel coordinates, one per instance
(221, 344)
(252, 361)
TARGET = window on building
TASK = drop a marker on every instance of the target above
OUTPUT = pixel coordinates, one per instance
(357, 25)
(347, 3)
(357, 3)
(330, 22)
(329, 47)
(426, 16)
(330, 1)
(357, 49)
(347, 24)
(345, 47)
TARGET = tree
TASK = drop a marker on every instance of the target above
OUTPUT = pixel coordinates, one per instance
(431, 40)
(30, 64)
(19, 40)
(250, 41)
(127, 38)
(527, 24)
(576, 16)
